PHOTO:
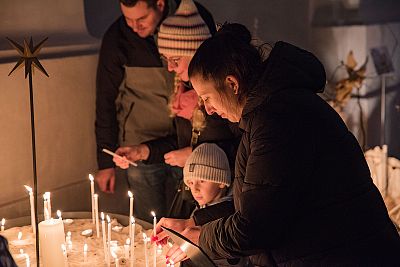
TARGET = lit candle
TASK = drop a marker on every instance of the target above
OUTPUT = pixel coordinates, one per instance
(19, 235)
(154, 234)
(68, 240)
(51, 237)
(46, 210)
(59, 215)
(48, 203)
(108, 239)
(27, 260)
(85, 250)
(91, 178)
(65, 257)
(145, 249)
(126, 248)
(3, 222)
(132, 239)
(32, 203)
(103, 230)
(96, 213)
(130, 207)
(114, 255)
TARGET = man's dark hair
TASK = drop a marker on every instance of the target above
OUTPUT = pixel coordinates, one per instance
(131, 3)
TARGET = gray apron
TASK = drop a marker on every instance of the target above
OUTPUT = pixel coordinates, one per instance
(142, 104)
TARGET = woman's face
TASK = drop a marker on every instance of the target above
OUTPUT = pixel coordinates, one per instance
(205, 192)
(225, 104)
(178, 64)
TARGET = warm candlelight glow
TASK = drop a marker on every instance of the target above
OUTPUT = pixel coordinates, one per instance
(3, 222)
(102, 216)
(153, 213)
(85, 248)
(28, 188)
(59, 214)
(19, 235)
(130, 194)
(91, 178)
(108, 219)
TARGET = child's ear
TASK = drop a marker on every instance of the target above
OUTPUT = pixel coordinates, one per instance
(222, 186)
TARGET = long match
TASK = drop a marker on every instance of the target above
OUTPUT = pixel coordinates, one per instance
(118, 156)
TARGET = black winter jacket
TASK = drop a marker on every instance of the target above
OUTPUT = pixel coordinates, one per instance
(303, 192)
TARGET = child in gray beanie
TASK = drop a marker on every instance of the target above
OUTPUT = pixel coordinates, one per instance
(207, 174)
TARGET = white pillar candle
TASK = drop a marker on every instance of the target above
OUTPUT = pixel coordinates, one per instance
(32, 204)
(108, 239)
(96, 213)
(130, 207)
(51, 237)
(3, 222)
(91, 178)
(146, 259)
(103, 230)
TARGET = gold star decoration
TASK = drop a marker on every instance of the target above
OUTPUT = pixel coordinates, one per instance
(28, 54)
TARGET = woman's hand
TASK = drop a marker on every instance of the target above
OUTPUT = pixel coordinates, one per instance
(131, 153)
(177, 225)
(178, 157)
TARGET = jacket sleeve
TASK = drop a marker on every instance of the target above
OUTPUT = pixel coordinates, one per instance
(211, 213)
(110, 73)
(280, 157)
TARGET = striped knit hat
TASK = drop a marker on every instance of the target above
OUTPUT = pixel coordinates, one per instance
(182, 33)
(208, 162)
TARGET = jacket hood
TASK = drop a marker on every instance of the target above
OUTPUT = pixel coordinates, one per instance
(287, 67)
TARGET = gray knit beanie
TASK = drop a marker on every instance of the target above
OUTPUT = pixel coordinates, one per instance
(208, 162)
(182, 33)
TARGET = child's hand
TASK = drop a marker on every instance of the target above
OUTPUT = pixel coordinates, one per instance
(177, 225)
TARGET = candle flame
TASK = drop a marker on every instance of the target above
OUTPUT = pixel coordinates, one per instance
(3, 222)
(153, 213)
(144, 237)
(47, 195)
(19, 235)
(128, 241)
(91, 178)
(28, 188)
(69, 234)
(59, 214)
(132, 220)
(108, 219)
(21, 251)
(102, 216)
(130, 194)
(63, 248)
(95, 195)
(85, 248)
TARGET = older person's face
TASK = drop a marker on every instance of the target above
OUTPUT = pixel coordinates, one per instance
(225, 104)
(143, 19)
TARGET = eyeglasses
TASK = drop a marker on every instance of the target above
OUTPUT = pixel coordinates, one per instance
(174, 61)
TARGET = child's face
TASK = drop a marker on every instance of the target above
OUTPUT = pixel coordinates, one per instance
(205, 192)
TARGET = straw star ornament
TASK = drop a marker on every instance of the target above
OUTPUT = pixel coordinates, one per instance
(28, 56)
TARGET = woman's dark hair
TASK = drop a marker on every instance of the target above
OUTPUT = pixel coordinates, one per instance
(228, 52)
(6, 260)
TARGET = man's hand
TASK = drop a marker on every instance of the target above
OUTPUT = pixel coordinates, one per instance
(178, 157)
(131, 153)
(105, 179)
